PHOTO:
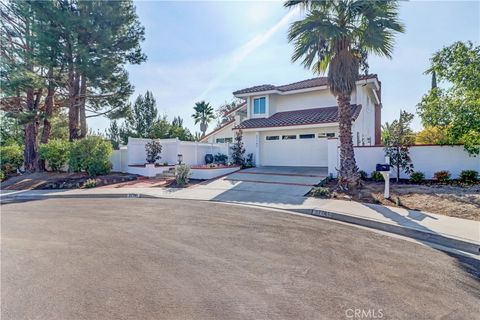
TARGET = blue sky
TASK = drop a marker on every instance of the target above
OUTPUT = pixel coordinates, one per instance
(205, 50)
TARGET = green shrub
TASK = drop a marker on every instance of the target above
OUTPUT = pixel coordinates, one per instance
(11, 158)
(376, 176)
(55, 152)
(442, 176)
(363, 175)
(90, 183)
(469, 176)
(92, 155)
(220, 158)
(417, 177)
(182, 174)
(2, 175)
(320, 192)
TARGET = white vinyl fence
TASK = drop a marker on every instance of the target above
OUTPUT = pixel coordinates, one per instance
(427, 159)
(193, 153)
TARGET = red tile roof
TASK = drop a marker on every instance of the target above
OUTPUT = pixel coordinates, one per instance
(298, 118)
(310, 83)
(217, 129)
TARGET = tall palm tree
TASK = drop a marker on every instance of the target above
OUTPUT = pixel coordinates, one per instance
(204, 114)
(338, 35)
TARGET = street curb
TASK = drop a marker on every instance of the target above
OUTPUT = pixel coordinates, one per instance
(78, 196)
(421, 235)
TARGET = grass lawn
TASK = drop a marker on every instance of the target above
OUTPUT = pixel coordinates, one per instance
(461, 201)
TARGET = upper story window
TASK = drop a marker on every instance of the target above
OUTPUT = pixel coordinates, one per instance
(259, 105)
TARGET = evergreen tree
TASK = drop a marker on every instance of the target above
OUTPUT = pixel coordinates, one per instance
(143, 115)
(238, 150)
(113, 134)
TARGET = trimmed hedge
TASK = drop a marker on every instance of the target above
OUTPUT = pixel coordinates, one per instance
(92, 155)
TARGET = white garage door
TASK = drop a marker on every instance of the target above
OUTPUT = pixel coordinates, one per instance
(293, 149)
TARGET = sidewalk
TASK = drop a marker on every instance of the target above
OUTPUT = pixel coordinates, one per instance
(452, 232)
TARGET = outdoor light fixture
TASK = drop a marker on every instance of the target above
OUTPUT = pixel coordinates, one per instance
(180, 158)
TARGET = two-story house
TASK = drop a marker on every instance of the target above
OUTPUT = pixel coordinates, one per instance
(289, 125)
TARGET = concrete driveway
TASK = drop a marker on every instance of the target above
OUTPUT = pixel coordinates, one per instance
(178, 259)
(262, 185)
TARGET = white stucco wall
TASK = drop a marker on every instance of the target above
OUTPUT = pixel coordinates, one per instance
(225, 132)
(300, 101)
(426, 159)
(193, 152)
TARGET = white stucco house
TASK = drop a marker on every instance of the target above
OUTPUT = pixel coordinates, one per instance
(289, 125)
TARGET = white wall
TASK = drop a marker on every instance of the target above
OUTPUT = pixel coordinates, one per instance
(193, 152)
(300, 101)
(426, 159)
(119, 160)
(225, 132)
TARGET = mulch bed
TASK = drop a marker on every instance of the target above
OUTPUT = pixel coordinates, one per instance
(61, 180)
(455, 199)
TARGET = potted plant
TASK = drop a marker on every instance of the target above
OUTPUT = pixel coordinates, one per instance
(153, 149)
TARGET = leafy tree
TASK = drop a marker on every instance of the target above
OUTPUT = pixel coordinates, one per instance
(397, 140)
(432, 135)
(224, 114)
(177, 130)
(238, 150)
(113, 134)
(203, 114)
(161, 128)
(338, 35)
(456, 108)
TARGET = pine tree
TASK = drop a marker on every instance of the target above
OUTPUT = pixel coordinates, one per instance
(143, 116)
(113, 134)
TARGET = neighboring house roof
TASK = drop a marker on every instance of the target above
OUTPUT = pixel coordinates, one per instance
(298, 118)
(310, 83)
(238, 107)
(218, 129)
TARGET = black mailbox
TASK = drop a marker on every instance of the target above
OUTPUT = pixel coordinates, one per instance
(383, 167)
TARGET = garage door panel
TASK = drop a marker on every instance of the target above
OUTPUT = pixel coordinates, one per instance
(297, 152)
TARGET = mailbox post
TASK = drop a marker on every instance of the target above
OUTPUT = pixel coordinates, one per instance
(384, 169)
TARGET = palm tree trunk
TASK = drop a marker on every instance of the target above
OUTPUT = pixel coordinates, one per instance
(348, 176)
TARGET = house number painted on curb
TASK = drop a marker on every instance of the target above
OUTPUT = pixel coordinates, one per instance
(322, 214)
(133, 195)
